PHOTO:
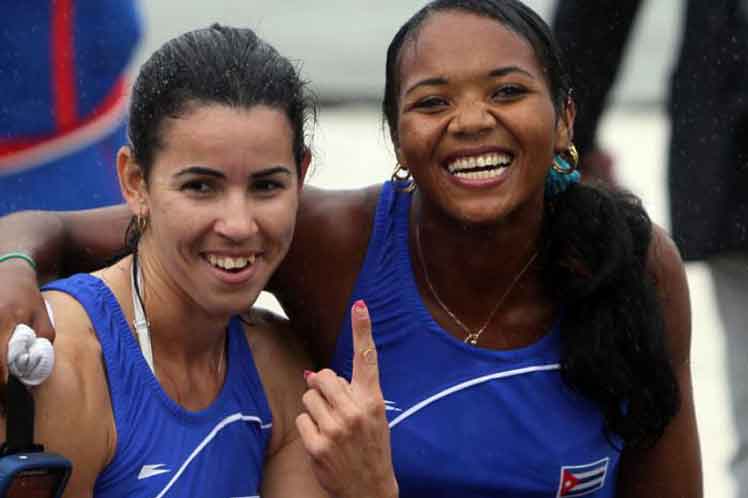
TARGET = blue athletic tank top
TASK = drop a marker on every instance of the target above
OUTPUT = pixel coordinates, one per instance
(162, 449)
(465, 421)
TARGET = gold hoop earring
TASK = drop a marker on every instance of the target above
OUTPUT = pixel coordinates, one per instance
(402, 174)
(141, 221)
(567, 162)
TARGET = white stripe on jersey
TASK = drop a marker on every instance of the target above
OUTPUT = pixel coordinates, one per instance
(237, 417)
(470, 383)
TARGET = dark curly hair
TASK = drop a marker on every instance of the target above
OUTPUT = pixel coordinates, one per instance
(594, 259)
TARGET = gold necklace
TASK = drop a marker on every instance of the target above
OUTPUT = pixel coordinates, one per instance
(471, 337)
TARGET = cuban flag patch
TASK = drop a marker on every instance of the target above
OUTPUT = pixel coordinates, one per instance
(581, 480)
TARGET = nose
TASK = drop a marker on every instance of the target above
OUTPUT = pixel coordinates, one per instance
(472, 118)
(236, 221)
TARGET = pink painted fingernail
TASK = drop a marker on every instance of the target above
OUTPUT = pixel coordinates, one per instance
(307, 373)
(359, 307)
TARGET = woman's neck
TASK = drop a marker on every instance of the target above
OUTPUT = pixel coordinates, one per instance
(189, 346)
(481, 283)
(179, 325)
(179, 328)
(484, 257)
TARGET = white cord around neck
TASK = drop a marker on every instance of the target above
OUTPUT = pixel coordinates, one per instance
(140, 322)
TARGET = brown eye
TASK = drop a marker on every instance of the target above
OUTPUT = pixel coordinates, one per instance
(268, 187)
(509, 92)
(199, 187)
(431, 103)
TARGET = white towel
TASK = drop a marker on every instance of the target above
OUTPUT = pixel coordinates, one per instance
(30, 358)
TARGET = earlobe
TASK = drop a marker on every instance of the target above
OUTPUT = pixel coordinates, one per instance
(131, 181)
(565, 126)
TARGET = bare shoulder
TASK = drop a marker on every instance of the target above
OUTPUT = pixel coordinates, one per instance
(663, 258)
(75, 338)
(321, 202)
(78, 373)
(337, 220)
(74, 396)
(281, 362)
(672, 467)
(666, 267)
(273, 341)
(317, 276)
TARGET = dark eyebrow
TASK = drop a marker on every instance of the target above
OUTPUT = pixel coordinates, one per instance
(202, 170)
(271, 171)
(428, 82)
(503, 71)
(496, 73)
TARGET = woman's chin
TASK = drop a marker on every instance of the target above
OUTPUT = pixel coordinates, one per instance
(228, 306)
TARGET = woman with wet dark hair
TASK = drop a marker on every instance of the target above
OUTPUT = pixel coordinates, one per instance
(200, 397)
(532, 333)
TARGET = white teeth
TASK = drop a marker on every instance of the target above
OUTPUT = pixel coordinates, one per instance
(493, 159)
(228, 263)
(481, 175)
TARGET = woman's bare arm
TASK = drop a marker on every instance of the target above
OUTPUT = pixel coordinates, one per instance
(672, 467)
(61, 243)
(281, 363)
(73, 411)
(65, 242)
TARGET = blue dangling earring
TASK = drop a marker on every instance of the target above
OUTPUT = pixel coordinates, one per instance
(562, 172)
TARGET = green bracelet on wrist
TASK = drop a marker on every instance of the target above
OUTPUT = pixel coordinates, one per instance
(18, 255)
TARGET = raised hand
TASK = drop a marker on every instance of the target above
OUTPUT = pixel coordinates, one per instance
(344, 428)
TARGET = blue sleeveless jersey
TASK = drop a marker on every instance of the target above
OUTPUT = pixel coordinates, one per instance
(162, 449)
(465, 421)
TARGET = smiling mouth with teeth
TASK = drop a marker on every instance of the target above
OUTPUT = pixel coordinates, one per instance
(230, 264)
(480, 167)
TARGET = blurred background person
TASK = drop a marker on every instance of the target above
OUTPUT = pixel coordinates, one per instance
(63, 100)
(708, 151)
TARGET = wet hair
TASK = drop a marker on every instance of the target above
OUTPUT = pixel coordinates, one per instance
(593, 256)
(215, 65)
(513, 15)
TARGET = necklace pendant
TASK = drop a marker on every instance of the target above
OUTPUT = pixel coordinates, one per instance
(472, 339)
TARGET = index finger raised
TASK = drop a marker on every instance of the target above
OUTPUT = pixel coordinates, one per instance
(365, 364)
